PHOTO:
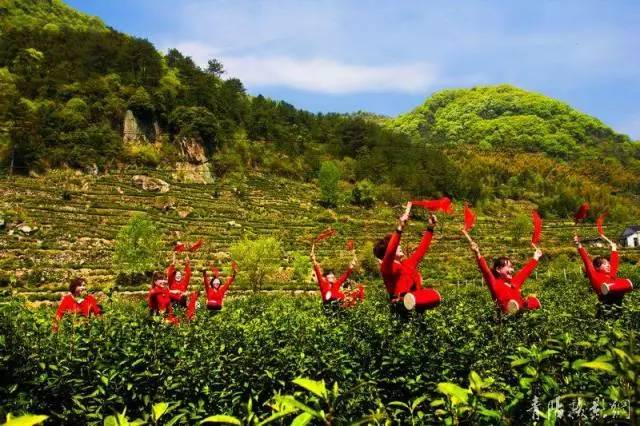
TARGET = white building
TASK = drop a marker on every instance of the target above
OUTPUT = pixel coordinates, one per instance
(630, 237)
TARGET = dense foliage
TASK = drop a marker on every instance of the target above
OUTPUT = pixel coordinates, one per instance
(419, 371)
(68, 85)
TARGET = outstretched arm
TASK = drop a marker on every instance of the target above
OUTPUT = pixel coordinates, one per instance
(614, 260)
(206, 280)
(522, 275)
(386, 267)
(588, 265)
(482, 263)
(419, 253)
(343, 278)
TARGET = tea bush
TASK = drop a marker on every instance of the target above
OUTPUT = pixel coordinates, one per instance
(387, 369)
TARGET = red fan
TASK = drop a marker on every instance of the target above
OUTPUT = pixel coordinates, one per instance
(327, 233)
(537, 228)
(441, 204)
(215, 271)
(469, 218)
(195, 246)
(179, 247)
(582, 213)
(349, 245)
(599, 223)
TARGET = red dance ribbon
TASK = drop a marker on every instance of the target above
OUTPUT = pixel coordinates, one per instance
(195, 246)
(441, 204)
(469, 218)
(599, 223)
(537, 227)
(327, 233)
(349, 245)
(582, 213)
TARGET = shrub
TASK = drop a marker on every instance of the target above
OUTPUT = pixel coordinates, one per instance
(329, 177)
(364, 194)
(259, 258)
(138, 247)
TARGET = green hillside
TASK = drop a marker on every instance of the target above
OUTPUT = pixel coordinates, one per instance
(76, 217)
(506, 117)
(48, 14)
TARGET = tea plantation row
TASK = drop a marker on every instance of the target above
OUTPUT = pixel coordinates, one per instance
(461, 362)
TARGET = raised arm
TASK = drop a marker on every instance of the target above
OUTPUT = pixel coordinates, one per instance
(386, 267)
(227, 284)
(342, 279)
(419, 253)
(614, 260)
(586, 259)
(521, 276)
(206, 280)
(187, 271)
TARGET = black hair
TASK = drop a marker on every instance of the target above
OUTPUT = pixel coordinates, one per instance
(381, 247)
(75, 283)
(499, 263)
(598, 261)
(327, 272)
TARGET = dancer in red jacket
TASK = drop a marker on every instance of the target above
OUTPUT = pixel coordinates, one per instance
(603, 275)
(400, 273)
(214, 290)
(330, 286)
(77, 302)
(504, 285)
(160, 299)
(178, 281)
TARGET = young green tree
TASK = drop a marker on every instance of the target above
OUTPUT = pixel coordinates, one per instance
(138, 247)
(257, 259)
(329, 177)
(520, 226)
(364, 194)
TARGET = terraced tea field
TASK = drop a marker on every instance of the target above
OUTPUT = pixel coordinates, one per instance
(75, 218)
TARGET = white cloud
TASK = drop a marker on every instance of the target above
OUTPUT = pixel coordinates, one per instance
(320, 75)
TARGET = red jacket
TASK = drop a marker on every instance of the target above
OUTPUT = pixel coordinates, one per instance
(597, 278)
(215, 296)
(326, 286)
(183, 284)
(159, 299)
(401, 277)
(84, 308)
(503, 290)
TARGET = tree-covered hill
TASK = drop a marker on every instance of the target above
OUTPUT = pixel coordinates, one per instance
(506, 117)
(77, 97)
(52, 14)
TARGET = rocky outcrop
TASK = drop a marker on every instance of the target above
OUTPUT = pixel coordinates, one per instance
(136, 130)
(191, 150)
(151, 184)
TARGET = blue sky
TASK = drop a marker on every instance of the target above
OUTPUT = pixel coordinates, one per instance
(388, 56)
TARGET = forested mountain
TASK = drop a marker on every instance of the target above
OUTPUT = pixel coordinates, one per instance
(76, 93)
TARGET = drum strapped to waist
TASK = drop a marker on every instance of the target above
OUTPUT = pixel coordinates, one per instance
(618, 287)
(421, 299)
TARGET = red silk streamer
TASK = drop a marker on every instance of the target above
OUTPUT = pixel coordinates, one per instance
(469, 218)
(215, 272)
(195, 246)
(327, 233)
(179, 247)
(599, 223)
(441, 204)
(537, 228)
(349, 245)
(582, 213)
(234, 265)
